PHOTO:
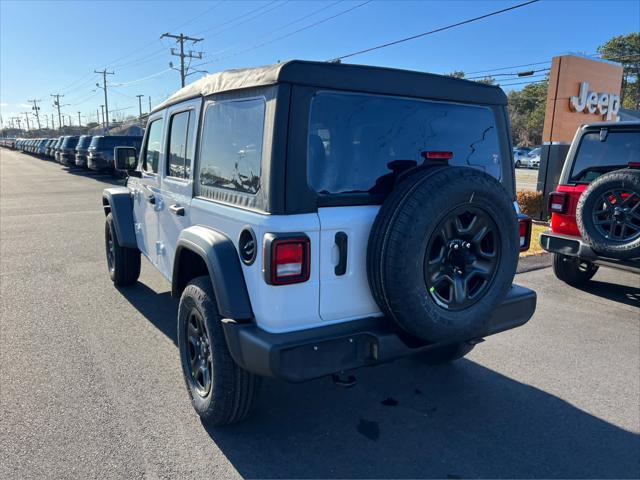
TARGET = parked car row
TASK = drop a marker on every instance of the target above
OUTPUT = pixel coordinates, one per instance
(86, 151)
(526, 157)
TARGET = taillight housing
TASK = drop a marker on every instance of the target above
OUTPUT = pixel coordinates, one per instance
(287, 258)
(558, 202)
(524, 232)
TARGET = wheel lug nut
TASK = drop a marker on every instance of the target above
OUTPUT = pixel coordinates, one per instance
(455, 246)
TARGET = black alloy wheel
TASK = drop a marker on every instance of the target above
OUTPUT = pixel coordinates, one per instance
(617, 215)
(199, 351)
(111, 254)
(462, 258)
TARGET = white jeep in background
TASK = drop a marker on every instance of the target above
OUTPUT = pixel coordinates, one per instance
(314, 218)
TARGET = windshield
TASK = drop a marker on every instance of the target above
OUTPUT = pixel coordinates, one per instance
(357, 143)
(595, 157)
(84, 141)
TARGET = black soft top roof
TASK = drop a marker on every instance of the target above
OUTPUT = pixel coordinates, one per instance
(357, 78)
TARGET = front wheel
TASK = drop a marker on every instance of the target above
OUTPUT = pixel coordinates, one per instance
(221, 392)
(572, 270)
(123, 263)
(518, 164)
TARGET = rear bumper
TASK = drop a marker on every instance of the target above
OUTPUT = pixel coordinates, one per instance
(574, 247)
(307, 354)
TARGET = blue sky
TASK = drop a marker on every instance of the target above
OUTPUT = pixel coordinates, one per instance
(53, 46)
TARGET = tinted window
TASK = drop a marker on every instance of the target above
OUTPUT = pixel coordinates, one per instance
(231, 152)
(84, 142)
(357, 143)
(181, 145)
(70, 142)
(595, 157)
(153, 149)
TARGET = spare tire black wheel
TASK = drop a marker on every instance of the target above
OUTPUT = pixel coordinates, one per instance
(443, 252)
(608, 214)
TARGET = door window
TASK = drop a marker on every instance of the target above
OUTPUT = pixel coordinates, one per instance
(231, 153)
(181, 145)
(153, 148)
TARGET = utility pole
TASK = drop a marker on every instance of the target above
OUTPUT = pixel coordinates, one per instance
(35, 109)
(140, 104)
(26, 115)
(70, 121)
(53, 124)
(79, 120)
(102, 107)
(181, 39)
(19, 124)
(104, 74)
(149, 103)
(47, 119)
(56, 103)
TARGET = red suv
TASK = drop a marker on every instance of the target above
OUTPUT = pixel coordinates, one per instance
(595, 212)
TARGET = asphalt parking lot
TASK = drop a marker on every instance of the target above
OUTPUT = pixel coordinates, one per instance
(527, 179)
(91, 384)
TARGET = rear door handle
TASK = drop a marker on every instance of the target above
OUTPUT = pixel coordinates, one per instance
(342, 241)
(151, 199)
(177, 210)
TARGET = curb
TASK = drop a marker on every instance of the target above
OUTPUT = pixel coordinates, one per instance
(534, 262)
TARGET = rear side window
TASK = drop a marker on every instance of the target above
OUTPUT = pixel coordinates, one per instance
(357, 143)
(181, 144)
(600, 154)
(231, 152)
(153, 147)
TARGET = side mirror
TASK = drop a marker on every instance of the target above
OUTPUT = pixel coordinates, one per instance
(126, 160)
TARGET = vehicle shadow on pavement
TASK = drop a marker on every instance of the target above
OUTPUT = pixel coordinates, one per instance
(618, 293)
(409, 420)
(102, 177)
(159, 308)
(406, 419)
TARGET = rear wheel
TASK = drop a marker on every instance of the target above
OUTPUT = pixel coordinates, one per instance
(572, 270)
(221, 392)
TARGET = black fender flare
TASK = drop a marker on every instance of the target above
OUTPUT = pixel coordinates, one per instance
(118, 202)
(221, 257)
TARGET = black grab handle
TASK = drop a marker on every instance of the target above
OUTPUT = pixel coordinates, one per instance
(342, 242)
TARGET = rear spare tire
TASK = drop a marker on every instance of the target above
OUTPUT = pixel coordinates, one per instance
(443, 252)
(608, 214)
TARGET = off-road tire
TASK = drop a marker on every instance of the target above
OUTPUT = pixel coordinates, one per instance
(573, 270)
(124, 267)
(398, 242)
(445, 353)
(233, 391)
(590, 200)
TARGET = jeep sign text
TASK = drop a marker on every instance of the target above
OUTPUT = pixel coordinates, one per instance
(589, 102)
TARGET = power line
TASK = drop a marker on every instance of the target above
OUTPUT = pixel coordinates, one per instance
(36, 108)
(282, 27)
(104, 74)
(510, 67)
(431, 32)
(181, 39)
(513, 74)
(282, 37)
(239, 17)
(522, 83)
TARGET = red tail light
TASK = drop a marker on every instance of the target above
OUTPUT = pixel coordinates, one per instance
(437, 155)
(287, 258)
(633, 164)
(558, 202)
(524, 232)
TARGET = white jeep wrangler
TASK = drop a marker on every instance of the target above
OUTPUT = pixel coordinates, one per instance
(314, 218)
